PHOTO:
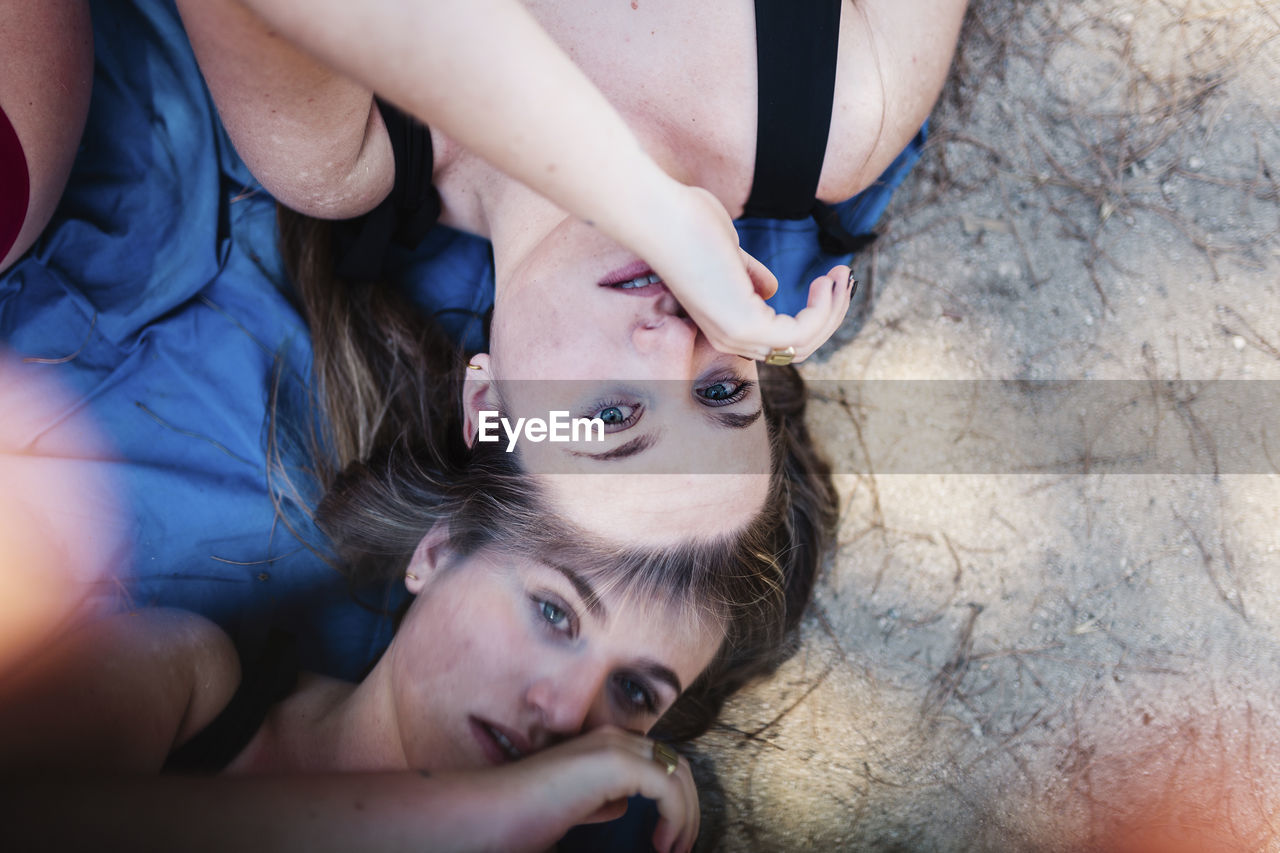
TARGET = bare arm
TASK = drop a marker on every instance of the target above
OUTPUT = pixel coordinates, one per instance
(525, 806)
(294, 81)
(311, 135)
(116, 694)
(485, 73)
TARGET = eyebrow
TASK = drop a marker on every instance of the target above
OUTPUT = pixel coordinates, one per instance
(649, 668)
(636, 445)
(585, 591)
(733, 420)
(728, 420)
(655, 670)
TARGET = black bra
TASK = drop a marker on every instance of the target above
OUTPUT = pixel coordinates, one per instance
(265, 679)
(797, 42)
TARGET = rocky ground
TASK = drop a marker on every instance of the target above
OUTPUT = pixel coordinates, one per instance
(1040, 633)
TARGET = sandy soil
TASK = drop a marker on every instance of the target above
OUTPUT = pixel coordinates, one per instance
(1080, 654)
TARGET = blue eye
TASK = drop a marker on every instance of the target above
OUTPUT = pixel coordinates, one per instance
(719, 391)
(616, 415)
(724, 392)
(554, 615)
(635, 695)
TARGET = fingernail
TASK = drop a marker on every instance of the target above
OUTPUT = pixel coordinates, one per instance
(850, 282)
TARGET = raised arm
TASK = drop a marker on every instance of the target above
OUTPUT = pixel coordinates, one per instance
(293, 81)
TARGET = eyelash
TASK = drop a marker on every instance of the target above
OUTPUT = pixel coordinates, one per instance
(743, 388)
(648, 704)
(542, 602)
(600, 406)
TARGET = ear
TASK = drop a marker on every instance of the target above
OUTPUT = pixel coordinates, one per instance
(428, 558)
(478, 393)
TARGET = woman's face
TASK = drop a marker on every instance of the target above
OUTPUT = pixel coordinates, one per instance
(578, 327)
(500, 656)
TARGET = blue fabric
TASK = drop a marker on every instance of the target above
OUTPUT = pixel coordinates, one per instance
(160, 274)
(789, 248)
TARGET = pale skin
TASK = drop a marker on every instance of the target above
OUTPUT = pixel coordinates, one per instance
(491, 643)
(582, 139)
(45, 81)
(648, 103)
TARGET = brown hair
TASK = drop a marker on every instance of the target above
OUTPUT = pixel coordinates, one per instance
(392, 463)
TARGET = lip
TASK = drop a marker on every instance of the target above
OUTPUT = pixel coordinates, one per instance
(493, 751)
(632, 270)
(635, 269)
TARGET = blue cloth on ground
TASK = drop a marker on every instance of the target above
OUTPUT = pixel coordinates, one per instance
(161, 275)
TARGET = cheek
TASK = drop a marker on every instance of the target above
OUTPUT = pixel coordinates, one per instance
(559, 340)
(530, 334)
(472, 644)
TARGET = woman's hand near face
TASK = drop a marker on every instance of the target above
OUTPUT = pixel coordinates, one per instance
(537, 800)
(723, 289)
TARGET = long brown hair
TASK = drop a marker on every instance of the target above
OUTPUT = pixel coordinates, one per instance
(391, 463)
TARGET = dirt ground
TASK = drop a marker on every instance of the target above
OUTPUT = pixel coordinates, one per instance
(1067, 656)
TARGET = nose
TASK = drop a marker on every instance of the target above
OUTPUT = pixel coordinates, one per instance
(664, 332)
(565, 701)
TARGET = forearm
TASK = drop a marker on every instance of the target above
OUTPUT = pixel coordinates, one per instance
(338, 812)
(485, 73)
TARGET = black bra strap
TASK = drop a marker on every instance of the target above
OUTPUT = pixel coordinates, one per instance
(406, 215)
(796, 45)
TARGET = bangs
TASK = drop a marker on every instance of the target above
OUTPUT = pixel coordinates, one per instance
(720, 582)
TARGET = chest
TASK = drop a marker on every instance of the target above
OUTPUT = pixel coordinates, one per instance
(685, 77)
(682, 74)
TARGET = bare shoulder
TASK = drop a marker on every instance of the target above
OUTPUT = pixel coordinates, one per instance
(116, 692)
(197, 655)
(894, 58)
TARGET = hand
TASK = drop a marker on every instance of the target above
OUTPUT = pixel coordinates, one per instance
(723, 289)
(587, 780)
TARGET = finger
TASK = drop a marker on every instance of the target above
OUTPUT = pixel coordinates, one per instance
(802, 330)
(694, 823)
(682, 778)
(843, 291)
(754, 325)
(762, 279)
(674, 793)
(668, 791)
(609, 811)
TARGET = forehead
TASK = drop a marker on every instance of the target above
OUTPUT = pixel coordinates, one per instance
(635, 618)
(681, 634)
(657, 510)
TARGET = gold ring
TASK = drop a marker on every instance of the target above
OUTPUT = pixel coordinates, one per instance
(666, 756)
(780, 357)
